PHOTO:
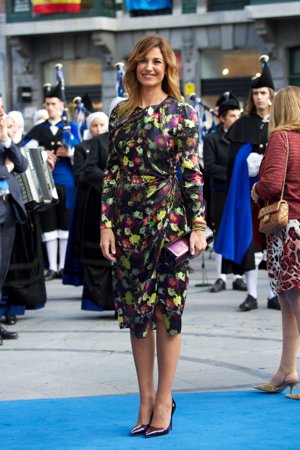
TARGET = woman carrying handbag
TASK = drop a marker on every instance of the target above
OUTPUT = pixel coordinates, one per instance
(143, 210)
(279, 173)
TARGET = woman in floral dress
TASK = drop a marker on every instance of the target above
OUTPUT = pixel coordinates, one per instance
(142, 210)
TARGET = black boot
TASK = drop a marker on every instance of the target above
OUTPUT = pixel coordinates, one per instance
(239, 285)
(248, 304)
(51, 275)
(10, 319)
(273, 303)
(4, 334)
(219, 285)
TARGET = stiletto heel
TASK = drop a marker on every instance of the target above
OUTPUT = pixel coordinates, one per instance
(276, 389)
(155, 432)
(139, 430)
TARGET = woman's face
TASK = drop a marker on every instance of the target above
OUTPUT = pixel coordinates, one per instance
(11, 127)
(151, 70)
(98, 126)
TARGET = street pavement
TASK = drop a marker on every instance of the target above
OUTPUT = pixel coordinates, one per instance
(63, 351)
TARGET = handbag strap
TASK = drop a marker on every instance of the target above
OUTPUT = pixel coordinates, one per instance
(286, 163)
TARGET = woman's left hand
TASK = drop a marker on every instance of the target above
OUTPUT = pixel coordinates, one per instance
(198, 243)
(254, 195)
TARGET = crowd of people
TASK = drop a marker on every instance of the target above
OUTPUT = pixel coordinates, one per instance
(104, 174)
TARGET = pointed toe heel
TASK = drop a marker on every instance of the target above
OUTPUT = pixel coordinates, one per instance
(270, 388)
(155, 432)
(139, 430)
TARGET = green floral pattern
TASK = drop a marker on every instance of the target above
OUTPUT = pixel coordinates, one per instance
(143, 204)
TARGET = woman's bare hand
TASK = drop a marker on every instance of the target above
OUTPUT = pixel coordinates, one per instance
(9, 164)
(254, 195)
(198, 243)
(108, 244)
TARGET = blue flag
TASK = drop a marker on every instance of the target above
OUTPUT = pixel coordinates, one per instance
(235, 232)
(133, 5)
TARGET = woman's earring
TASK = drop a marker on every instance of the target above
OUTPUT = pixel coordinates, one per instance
(269, 102)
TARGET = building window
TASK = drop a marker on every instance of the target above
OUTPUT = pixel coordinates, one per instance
(221, 71)
(223, 5)
(20, 6)
(295, 66)
(82, 76)
(189, 6)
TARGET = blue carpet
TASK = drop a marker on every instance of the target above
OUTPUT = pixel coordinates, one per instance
(218, 420)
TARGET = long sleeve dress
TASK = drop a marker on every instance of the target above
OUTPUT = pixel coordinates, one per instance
(143, 204)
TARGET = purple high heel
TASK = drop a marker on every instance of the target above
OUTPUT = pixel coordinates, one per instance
(139, 430)
(155, 432)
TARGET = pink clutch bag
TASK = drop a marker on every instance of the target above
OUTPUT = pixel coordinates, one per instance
(178, 251)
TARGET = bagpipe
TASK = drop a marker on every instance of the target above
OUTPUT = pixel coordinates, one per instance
(82, 114)
(201, 109)
(67, 136)
(120, 72)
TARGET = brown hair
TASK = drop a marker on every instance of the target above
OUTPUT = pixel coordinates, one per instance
(250, 106)
(170, 84)
(285, 110)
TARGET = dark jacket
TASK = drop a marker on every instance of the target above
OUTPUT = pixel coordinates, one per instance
(81, 153)
(21, 164)
(215, 155)
(93, 172)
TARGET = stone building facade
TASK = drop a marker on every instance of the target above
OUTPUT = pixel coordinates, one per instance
(217, 48)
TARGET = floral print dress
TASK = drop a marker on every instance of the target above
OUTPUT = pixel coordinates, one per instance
(143, 204)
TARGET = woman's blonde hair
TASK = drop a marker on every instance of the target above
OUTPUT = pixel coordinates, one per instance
(170, 84)
(285, 110)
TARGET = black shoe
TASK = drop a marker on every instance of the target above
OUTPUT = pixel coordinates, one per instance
(51, 275)
(219, 285)
(10, 319)
(239, 285)
(248, 304)
(273, 303)
(7, 334)
(60, 273)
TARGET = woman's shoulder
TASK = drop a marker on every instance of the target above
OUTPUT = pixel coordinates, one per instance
(115, 110)
(179, 107)
(282, 135)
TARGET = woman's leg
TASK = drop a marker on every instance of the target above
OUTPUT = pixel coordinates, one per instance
(143, 353)
(168, 349)
(293, 297)
(290, 337)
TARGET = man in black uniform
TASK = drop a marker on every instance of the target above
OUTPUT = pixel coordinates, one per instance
(11, 203)
(215, 155)
(51, 134)
(248, 138)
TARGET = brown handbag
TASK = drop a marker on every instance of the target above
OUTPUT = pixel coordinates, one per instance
(273, 218)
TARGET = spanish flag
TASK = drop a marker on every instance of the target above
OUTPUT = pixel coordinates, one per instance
(55, 6)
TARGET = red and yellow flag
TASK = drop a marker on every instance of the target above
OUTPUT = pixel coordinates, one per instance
(55, 6)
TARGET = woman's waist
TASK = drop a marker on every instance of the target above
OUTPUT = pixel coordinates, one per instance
(136, 178)
(294, 210)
